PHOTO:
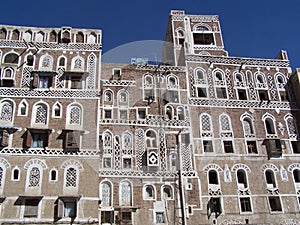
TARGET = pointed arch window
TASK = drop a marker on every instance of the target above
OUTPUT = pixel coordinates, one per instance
(57, 110)
(125, 193)
(6, 108)
(23, 108)
(106, 193)
(39, 37)
(27, 36)
(107, 142)
(91, 38)
(248, 127)
(62, 61)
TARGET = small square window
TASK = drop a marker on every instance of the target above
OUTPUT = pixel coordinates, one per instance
(275, 204)
(107, 114)
(123, 114)
(296, 147)
(251, 147)
(245, 204)
(221, 92)
(141, 113)
(106, 162)
(207, 146)
(228, 146)
(116, 72)
(160, 217)
(242, 95)
(126, 216)
(263, 95)
(126, 163)
(201, 92)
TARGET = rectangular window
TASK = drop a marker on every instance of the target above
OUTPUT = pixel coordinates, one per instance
(214, 206)
(283, 96)
(149, 95)
(221, 92)
(107, 217)
(245, 204)
(126, 216)
(45, 82)
(106, 162)
(123, 114)
(263, 95)
(172, 96)
(228, 146)
(4, 136)
(203, 39)
(126, 163)
(160, 217)
(275, 203)
(116, 72)
(107, 114)
(274, 148)
(251, 147)
(38, 140)
(201, 92)
(207, 146)
(141, 113)
(66, 207)
(296, 147)
(31, 208)
(242, 95)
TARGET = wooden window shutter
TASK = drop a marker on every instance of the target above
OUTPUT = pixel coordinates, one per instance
(60, 208)
(35, 80)
(27, 139)
(5, 137)
(46, 139)
(72, 140)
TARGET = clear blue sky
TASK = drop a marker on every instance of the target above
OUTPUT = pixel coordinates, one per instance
(253, 28)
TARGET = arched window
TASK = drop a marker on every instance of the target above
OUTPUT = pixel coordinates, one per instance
(151, 141)
(15, 175)
(40, 114)
(269, 126)
(213, 177)
(107, 142)
(180, 113)
(53, 175)
(239, 78)
(108, 96)
(225, 123)
(127, 141)
(260, 78)
(106, 194)
(241, 179)
(169, 112)
(79, 37)
(34, 177)
(77, 63)
(149, 192)
(39, 37)
(12, 58)
(172, 82)
(247, 126)
(296, 175)
(15, 35)
(3, 33)
(23, 108)
(46, 62)
(167, 192)
(291, 126)
(205, 123)
(75, 115)
(270, 179)
(123, 98)
(62, 61)
(57, 110)
(199, 74)
(27, 36)
(71, 177)
(219, 76)
(125, 193)
(53, 36)
(148, 80)
(6, 111)
(29, 60)
(91, 38)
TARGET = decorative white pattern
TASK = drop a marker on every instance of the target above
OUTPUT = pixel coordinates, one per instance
(91, 67)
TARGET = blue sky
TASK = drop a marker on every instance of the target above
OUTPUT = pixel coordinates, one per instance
(256, 28)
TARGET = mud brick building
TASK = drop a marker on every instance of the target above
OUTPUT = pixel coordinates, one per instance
(202, 138)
